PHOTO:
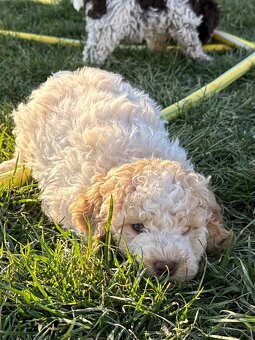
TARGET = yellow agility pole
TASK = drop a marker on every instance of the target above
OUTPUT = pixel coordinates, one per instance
(47, 2)
(227, 40)
(47, 39)
(15, 178)
(207, 91)
(232, 40)
(227, 78)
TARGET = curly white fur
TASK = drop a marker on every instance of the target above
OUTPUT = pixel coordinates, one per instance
(88, 135)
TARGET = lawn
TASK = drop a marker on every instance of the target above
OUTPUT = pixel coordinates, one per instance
(51, 285)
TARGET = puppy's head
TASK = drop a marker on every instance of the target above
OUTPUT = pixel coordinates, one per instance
(166, 215)
(209, 11)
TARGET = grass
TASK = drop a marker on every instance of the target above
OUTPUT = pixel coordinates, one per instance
(51, 285)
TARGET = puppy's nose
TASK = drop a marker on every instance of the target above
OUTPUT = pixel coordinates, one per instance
(161, 267)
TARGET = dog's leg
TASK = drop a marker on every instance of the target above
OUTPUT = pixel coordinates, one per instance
(187, 37)
(100, 45)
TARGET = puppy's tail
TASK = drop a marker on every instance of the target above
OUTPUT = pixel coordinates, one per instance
(13, 174)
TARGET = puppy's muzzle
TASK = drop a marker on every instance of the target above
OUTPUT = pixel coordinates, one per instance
(161, 267)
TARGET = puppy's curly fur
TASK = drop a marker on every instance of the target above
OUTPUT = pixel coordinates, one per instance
(88, 135)
(189, 22)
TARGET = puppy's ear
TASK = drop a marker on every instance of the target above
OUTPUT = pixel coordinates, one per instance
(210, 12)
(86, 208)
(218, 237)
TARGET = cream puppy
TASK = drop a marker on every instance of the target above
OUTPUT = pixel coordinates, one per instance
(88, 136)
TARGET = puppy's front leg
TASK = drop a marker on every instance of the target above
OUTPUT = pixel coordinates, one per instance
(187, 37)
(100, 44)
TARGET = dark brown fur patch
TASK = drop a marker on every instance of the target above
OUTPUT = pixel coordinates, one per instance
(210, 12)
(158, 4)
(98, 8)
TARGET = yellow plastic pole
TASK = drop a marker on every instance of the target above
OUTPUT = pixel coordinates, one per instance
(41, 38)
(47, 39)
(227, 78)
(228, 40)
(233, 40)
(15, 178)
(47, 2)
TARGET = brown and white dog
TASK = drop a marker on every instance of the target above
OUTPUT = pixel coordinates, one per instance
(189, 22)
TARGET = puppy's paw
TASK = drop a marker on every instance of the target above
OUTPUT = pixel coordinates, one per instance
(205, 57)
(199, 55)
(202, 57)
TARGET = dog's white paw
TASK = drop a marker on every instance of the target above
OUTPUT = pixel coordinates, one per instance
(91, 55)
(200, 56)
(205, 57)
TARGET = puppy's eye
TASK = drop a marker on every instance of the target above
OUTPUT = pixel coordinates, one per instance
(186, 231)
(138, 227)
